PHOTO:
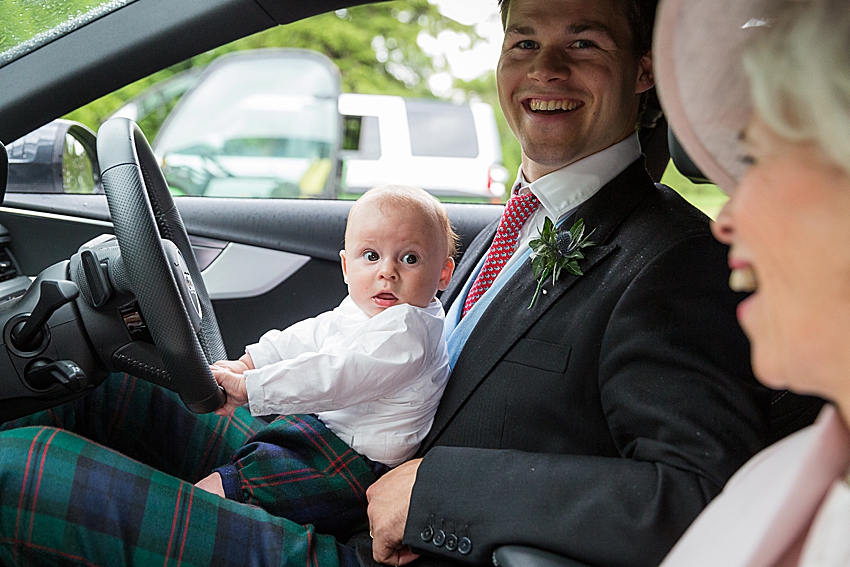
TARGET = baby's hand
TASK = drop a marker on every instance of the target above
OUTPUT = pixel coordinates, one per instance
(234, 385)
(237, 366)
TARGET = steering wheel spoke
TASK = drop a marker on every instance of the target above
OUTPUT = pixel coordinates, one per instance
(143, 214)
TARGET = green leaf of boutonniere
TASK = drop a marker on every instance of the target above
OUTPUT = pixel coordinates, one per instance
(555, 251)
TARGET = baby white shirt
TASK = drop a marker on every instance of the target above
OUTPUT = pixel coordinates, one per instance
(375, 382)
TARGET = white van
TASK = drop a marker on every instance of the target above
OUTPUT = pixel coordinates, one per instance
(272, 123)
(445, 148)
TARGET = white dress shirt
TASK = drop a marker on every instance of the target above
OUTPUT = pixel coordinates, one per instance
(559, 192)
(375, 382)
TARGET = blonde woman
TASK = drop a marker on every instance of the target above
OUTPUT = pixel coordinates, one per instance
(773, 129)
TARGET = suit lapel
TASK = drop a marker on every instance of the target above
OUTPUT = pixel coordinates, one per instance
(508, 318)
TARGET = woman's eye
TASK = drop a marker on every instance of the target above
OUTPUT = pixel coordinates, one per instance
(410, 258)
(371, 256)
(526, 44)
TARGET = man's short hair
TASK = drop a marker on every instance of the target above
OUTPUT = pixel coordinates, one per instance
(641, 16)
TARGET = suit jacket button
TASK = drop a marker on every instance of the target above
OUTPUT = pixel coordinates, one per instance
(451, 542)
(464, 546)
(427, 534)
(439, 538)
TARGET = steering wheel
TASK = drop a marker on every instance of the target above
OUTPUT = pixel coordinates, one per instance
(144, 216)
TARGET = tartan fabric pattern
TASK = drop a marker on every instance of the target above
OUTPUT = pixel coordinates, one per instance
(66, 500)
(150, 424)
(517, 210)
(299, 469)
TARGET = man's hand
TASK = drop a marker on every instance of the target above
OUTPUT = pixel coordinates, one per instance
(389, 502)
(233, 383)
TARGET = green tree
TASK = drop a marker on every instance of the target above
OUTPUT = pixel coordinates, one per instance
(374, 46)
(484, 88)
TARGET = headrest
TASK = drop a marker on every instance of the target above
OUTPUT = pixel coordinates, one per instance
(683, 162)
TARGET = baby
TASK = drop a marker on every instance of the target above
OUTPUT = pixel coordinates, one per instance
(372, 370)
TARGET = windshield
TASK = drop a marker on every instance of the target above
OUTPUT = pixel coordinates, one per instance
(27, 25)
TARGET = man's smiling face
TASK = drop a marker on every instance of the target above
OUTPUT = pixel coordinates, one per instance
(569, 80)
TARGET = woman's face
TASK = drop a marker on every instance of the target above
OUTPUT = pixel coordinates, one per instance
(788, 225)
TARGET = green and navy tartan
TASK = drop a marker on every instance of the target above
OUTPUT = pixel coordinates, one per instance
(68, 500)
(298, 469)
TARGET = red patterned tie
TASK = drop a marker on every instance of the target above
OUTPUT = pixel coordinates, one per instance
(517, 210)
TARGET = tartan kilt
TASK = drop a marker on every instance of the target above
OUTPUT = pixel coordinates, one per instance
(65, 500)
(152, 425)
(299, 469)
(68, 500)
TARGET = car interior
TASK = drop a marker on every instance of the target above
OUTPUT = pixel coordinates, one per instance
(67, 310)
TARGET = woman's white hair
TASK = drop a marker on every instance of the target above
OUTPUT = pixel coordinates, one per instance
(800, 75)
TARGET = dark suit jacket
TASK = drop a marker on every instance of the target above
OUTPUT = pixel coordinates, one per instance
(598, 423)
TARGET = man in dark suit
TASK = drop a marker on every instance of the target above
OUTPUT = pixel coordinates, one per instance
(598, 422)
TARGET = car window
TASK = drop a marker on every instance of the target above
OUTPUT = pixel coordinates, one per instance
(254, 134)
(25, 28)
(249, 119)
(261, 124)
(361, 137)
(706, 197)
(441, 130)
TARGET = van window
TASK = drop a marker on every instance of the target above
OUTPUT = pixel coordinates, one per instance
(361, 137)
(430, 122)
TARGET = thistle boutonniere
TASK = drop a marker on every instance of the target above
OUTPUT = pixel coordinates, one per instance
(557, 250)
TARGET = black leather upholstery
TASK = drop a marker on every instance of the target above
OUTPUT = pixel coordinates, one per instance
(521, 556)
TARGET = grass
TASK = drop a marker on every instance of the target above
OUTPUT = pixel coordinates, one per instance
(707, 198)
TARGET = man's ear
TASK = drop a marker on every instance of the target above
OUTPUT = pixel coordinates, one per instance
(344, 267)
(645, 77)
(446, 274)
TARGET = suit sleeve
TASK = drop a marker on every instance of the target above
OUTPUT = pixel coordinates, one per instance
(683, 411)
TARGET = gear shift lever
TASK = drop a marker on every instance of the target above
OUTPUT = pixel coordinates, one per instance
(54, 294)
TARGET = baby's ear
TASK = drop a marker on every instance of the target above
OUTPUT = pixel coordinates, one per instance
(344, 268)
(446, 274)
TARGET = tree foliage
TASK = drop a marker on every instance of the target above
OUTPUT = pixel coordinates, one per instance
(374, 46)
(484, 88)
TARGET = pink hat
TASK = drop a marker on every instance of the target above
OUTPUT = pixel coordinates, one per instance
(697, 53)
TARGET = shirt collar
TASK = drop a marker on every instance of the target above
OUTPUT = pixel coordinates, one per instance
(564, 189)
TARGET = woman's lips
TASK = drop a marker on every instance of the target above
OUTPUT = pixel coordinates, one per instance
(743, 279)
(744, 308)
(743, 275)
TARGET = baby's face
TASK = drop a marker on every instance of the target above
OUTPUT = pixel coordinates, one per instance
(392, 256)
